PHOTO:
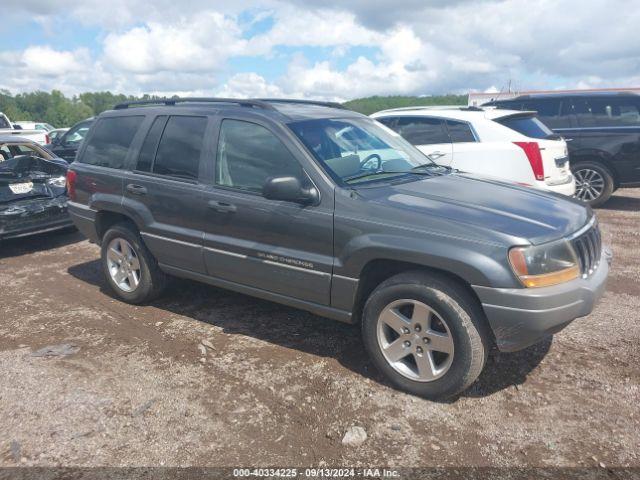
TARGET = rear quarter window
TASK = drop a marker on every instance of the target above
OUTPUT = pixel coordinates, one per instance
(460, 132)
(529, 126)
(110, 141)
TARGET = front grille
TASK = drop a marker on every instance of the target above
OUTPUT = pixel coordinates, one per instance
(588, 247)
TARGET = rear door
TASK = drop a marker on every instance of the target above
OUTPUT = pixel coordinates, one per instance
(164, 193)
(610, 127)
(428, 134)
(275, 246)
(469, 154)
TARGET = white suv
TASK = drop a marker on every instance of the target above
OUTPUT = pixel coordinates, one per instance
(510, 145)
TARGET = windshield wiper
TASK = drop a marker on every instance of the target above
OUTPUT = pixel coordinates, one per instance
(433, 166)
(382, 172)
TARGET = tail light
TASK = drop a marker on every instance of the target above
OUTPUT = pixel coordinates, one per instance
(47, 140)
(532, 151)
(71, 184)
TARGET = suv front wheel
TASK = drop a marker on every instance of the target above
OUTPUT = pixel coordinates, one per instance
(130, 269)
(425, 334)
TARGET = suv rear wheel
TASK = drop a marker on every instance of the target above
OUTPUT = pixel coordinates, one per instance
(131, 270)
(425, 334)
(594, 182)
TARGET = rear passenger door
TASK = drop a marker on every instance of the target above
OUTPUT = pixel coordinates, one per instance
(610, 126)
(428, 134)
(163, 191)
(274, 246)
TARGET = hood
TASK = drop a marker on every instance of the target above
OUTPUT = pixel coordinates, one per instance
(482, 204)
(25, 177)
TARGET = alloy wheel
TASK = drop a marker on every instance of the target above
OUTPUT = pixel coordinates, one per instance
(589, 184)
(123, 265)
(415, 340)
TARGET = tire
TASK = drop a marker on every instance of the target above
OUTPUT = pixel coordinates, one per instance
(456, 318)
(594, 182)
(151, 280)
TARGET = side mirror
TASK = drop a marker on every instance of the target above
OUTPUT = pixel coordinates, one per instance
(289, 189)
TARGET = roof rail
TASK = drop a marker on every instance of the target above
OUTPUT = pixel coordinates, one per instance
(172, 101)
(430, 107)
(304, 102)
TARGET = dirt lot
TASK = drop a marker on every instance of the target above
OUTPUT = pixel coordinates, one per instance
(277, 386)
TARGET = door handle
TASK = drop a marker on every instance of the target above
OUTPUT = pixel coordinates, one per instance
(136, 189)
(434, 155)
(223, 207)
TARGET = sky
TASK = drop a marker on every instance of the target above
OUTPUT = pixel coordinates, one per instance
(318, 49)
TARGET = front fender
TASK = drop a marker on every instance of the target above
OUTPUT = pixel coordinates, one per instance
(477, 263)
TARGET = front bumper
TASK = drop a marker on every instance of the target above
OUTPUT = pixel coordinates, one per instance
(34, 216)
(520, 317)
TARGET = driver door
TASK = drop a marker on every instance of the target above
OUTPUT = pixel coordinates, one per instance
(275, 246)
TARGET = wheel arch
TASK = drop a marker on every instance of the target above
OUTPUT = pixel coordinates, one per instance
(379, 270)
(597, 156)
(105, 219)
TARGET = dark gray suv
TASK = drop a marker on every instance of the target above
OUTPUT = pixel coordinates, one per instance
(324, 209)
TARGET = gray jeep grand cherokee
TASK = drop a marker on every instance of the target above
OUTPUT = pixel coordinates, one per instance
(326, 210)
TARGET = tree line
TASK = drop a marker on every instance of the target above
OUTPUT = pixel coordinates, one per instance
(61, 111)
(57, 109)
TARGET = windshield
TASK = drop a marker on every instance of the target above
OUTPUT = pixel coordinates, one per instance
(359, 149)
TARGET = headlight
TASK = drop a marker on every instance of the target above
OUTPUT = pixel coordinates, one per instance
(544, 265)
(58, 181)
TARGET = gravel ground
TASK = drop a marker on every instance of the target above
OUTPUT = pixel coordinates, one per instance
(208, 377)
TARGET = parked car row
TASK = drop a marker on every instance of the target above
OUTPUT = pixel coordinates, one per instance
(603, 134)
(37, 135)
(318, 207)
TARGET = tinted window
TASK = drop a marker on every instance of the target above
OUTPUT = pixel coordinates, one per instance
(179, 150)
(421, 130)
(249, 154)
(148, 150)
(4, 123)
(110, 141)
(528, 126)
(608, 111)
(387, 121)
(460, 132)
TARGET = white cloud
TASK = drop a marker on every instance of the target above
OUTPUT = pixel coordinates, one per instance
(419, 47)
(249, 85)
(201, 43)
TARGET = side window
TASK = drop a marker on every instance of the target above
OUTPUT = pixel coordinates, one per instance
(180, 147)
(249, 154)
(422, 130)
(110, 141)
(148, 150)
(387, 121)
(608, 112)
(460, 132)
(549, 111)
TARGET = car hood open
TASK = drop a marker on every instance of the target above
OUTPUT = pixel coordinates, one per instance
(483, 205)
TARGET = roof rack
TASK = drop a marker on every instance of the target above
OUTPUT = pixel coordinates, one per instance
(304, 102)
(172, 101)
(433, 107)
